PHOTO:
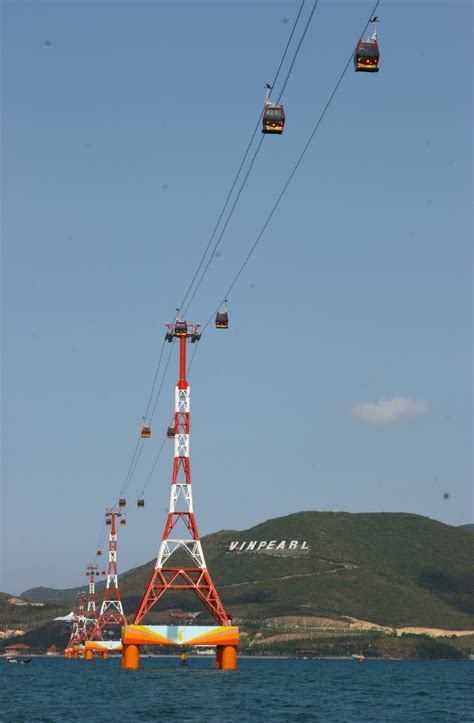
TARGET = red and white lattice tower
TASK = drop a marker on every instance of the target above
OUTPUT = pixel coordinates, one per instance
(194, 577)
(92, 571)
(111, 611)
(79, 624)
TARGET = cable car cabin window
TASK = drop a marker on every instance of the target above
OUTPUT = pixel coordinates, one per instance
(276, 115)
(368, 50)
(180, 328)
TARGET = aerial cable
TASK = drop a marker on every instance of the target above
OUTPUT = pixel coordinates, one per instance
(290, 178)
(216, 245)
(154, 464)
(308, 23)
(135, 452)
(132, 472)
(204, 254)
(231, 212)
(101, 536)
(139, 448)
(154, 380)
(162, 382)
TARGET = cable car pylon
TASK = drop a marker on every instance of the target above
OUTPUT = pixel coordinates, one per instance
(92, 571)
(111, 611)
(181, 536)
(79, 630)
(194, 577)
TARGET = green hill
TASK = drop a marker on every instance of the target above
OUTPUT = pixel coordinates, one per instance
(20, 614)
(392, 569)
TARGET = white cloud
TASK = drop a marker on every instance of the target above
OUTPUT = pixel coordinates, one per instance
(387, 411)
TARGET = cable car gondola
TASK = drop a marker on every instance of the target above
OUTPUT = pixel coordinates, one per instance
(367, 54)
(123, 521)
(140, 502)
(273, 119)
(122, 502)
(146, 431)
(222, 318)
(108, 521)
(170, 433)
(180, 328)
(99, 552)
(103, 572)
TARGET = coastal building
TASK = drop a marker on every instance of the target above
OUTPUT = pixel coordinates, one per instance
(17, 649)
(52, 650)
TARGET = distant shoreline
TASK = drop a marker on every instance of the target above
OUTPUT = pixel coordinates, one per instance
(194, 656)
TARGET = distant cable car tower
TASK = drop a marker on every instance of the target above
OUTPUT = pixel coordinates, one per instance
(91, 572)
(79, 624)
(111, 611)
(195, 576)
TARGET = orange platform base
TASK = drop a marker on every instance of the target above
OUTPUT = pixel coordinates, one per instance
(224, 637)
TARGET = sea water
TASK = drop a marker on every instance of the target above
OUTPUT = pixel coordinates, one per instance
(59, 689)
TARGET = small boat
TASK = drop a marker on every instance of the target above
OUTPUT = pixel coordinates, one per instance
(360, 658)
(19, 661)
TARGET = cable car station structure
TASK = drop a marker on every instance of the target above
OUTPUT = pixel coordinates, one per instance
(181, 534)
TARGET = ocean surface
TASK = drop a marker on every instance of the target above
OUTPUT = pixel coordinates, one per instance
(58, 689)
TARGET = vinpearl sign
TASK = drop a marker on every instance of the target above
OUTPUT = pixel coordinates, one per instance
(264, 546)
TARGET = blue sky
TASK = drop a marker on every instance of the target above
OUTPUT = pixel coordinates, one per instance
(344, 382)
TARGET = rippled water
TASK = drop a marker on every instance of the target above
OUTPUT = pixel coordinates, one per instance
(57, 689)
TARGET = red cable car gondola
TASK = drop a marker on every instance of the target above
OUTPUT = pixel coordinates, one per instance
(146, 431)
(367, 53)
(273, 119)
(180, 328)
(222, 318)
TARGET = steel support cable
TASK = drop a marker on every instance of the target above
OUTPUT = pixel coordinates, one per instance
(137, 459)
(216, 245)
(165, 439)
(132, 472)
(101, 536)
(308, 23)
(162, 382)
(231, 212)
(135, 451)
(154, 380)
(290, 178)
(139, 447)
(204, 254)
